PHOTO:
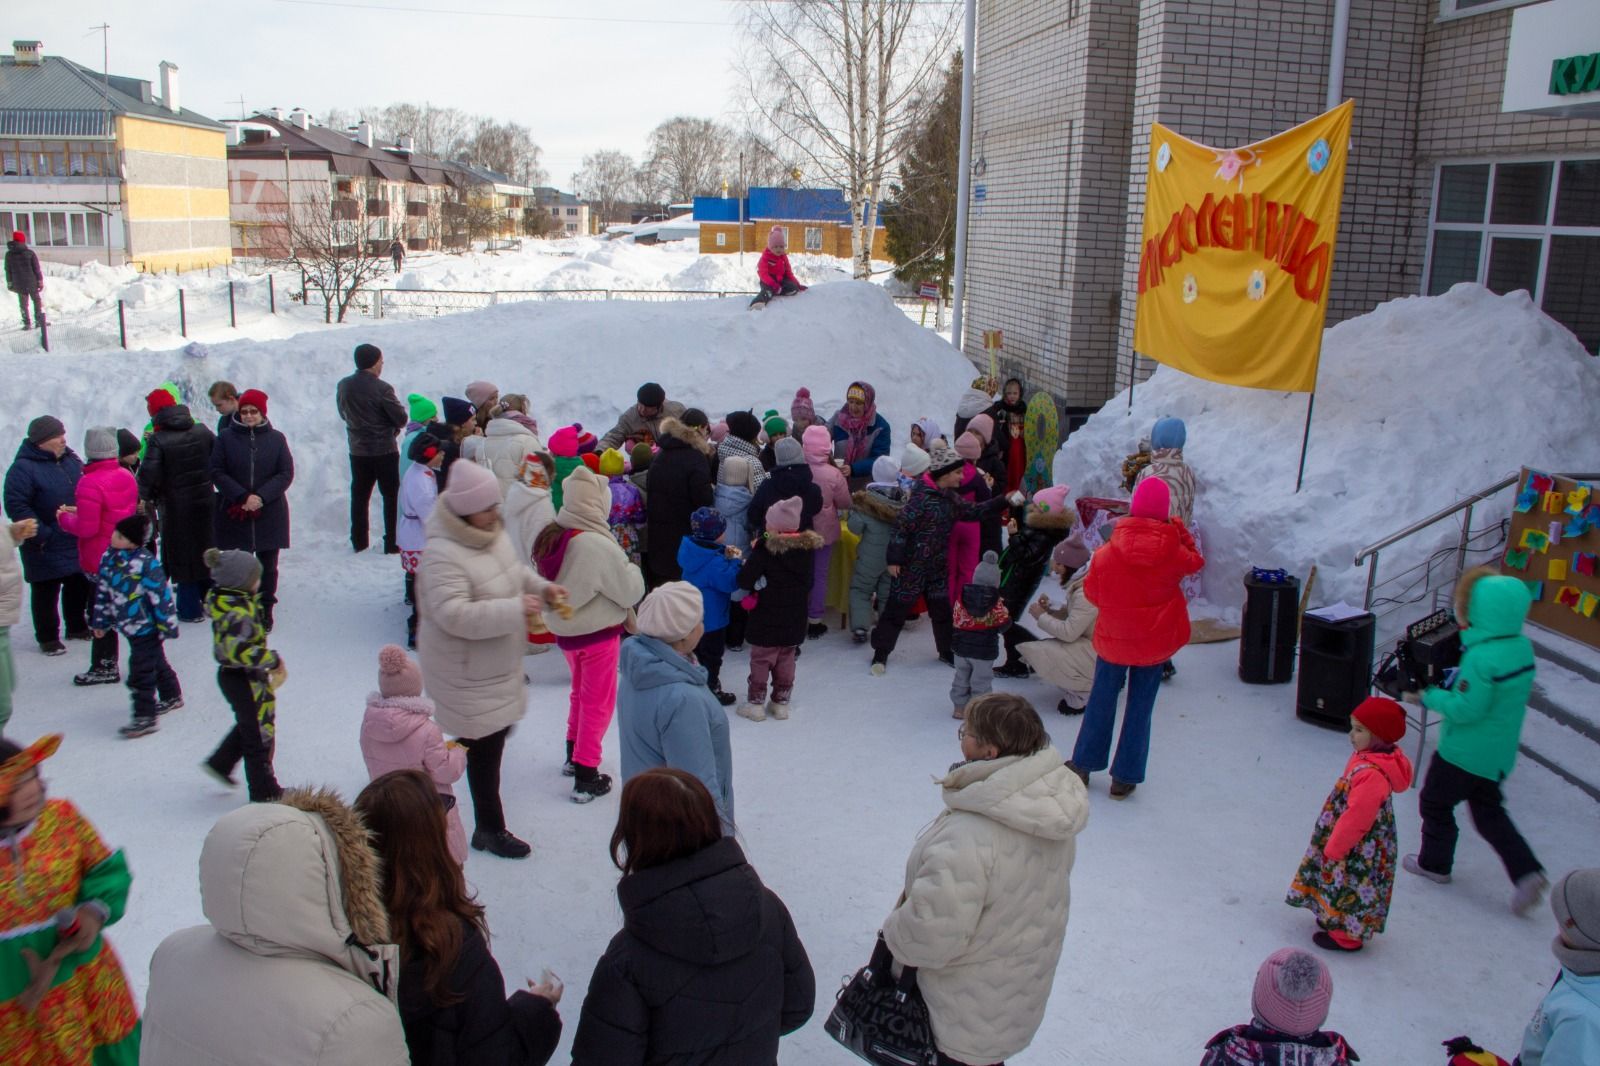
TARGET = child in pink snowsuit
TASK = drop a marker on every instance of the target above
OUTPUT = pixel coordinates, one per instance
(398, 733)
(777, 279)
(966, 539)
(817, 443)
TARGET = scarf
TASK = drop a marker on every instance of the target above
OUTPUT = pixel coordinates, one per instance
(858, 431)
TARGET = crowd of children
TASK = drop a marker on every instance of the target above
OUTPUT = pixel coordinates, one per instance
(736, 524)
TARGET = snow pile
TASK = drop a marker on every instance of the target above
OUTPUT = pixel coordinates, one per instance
(1421, 402)
(576, 361)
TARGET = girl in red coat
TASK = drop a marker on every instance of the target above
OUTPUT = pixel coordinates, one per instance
(773, 270)
(1134, 581)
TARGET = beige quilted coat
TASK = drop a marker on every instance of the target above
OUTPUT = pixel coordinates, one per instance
(472, 632)
(10, 579)
(985, 904)
(1066, 657)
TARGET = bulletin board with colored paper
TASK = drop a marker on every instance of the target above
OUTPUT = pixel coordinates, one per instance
(1554, 546)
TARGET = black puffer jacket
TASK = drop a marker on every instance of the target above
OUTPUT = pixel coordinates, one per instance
(484, 1028)
(176, 476)
(707, 970)
(678, 482)
(23, 273)
(373, 416)
(1027, 554)
(781, 484)
(252, 461)
(786, 561)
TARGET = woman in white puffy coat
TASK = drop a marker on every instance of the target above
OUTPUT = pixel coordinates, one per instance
(507, 440)
(984, 910)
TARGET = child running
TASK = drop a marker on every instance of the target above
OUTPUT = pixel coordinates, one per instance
(248, 673)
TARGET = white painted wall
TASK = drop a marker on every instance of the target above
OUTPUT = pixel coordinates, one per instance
(1541, 34)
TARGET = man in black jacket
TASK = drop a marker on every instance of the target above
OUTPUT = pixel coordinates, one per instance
(24, 277)
(373, 418)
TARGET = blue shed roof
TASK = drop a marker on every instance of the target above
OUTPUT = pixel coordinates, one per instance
(776, 205)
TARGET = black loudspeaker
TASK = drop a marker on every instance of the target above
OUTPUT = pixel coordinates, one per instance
(1335, 668)
(1266, 642)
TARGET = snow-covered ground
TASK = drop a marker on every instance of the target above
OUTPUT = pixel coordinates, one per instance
(1177, 893)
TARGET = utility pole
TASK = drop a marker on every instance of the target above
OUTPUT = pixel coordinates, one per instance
(969, 60)
(744, 194)
(111, 156)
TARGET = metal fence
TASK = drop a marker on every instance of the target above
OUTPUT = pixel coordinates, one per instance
(416, 303)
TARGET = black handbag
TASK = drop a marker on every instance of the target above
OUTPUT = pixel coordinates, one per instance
(881, 1019)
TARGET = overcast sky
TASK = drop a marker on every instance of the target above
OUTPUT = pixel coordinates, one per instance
(578, 84)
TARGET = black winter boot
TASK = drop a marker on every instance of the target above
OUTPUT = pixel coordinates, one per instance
(567, 769)
(102, 673)
(588, 783)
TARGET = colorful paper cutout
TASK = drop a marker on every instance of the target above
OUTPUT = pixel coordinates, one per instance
(1517, 558)
(1527, 499)
(1587, 605)
(1578, 525)
(1540, 483)
(1578, 499)
(1558, 570)
(1555, 532)
(1584, 563)
(1554, 502)
(1534, 540)
(1569, 596)
(1536, 590)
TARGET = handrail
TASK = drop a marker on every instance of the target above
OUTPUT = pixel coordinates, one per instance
(1439, 516)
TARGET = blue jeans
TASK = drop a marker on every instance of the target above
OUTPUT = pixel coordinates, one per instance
(1094, 735)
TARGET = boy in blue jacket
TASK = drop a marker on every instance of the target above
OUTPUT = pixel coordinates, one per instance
(713, 568)
(132, 597)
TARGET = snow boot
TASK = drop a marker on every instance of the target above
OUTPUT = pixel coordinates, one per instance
(1066, 708)
(103, 673)
(53, 647)
(1414, 865)
(501, 843)
(756, 712)
(1335, 941)
(727, 699)
(858, 636)
(173, 704)
(226, 780)
(1528, 892)
(567, 769)
(1168, 671)
(779, 711)
(816, 629)
(1018, 669)
(588, 783)
(139, 727)
(1121, 789)
(1083, 775)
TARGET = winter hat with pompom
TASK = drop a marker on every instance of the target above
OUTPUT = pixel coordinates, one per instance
(158, 400)
(801, 409)
(1051, 500)
(564, 441)
(707, 523)
(1151, 499)
(671, 612)
(719, 430)
(232, 569)
(983, 426)
(1292, 992)
(472, 489)
(397, 674)
(100, 442)
(884, 471)
(777, 240)
(611, 463)
(969, 447)
(784, 516)
(914, 461)
(987, 572)
(773, 424)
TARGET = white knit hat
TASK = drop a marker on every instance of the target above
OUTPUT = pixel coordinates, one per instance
(671, 612)
(914, 462)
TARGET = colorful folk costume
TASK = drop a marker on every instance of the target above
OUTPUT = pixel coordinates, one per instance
(52, 869)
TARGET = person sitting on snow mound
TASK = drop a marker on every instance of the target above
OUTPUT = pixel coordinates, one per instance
(777, 279)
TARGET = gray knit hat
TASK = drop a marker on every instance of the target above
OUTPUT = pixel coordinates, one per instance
(233, 569)
(1576, 903)
(787, 452)
(99, 442)
(987, 571)
(45, 427)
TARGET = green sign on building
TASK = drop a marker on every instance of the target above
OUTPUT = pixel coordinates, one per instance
(1575, 74)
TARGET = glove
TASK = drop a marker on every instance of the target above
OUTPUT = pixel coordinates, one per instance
(748, 602)
(1016, 499)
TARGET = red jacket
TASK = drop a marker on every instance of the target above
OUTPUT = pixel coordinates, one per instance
(1133, 580)
(774, 269)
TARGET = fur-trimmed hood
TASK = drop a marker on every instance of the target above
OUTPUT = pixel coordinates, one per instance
(805, 540)
(674, 430)
(300, 878)
(878, 505)
(1061, 519)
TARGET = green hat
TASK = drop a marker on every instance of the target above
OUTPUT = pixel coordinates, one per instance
(422, 408)
(774, 424)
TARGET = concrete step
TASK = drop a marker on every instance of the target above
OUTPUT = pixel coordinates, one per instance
(1562, 730)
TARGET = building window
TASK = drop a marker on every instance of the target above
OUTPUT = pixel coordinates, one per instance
(813, 238)
(56, 229)
(722, 240)
(1454, 9)
(1522, 225)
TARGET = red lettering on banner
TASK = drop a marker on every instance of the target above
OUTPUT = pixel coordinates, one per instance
(1222, 224)
(1276, 231)
(1186, 230)
(1203, 220)
(1311, 273)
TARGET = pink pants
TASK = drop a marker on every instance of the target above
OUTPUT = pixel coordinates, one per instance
(594, 697)
(818, 605)
(779, 663)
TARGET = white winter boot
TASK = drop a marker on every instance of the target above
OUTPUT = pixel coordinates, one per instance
(754, 711)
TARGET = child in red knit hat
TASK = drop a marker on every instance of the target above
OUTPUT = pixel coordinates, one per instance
(1347, 875)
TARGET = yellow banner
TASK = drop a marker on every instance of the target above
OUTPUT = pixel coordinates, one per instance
(1238, 253)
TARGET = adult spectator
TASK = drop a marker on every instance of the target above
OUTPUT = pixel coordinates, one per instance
(666, 713)
(984, 909)
(1065, 657)
(474, 595)
(397, 254)
(44, 476)
(508, 441)
(790, 477)
(25, 277)
(373, 418)
(453, 1000)
(642, 421)
(860, 434)
(175, 478)
(708, 967)
(679, 482)
(252, 469)
(297, 966)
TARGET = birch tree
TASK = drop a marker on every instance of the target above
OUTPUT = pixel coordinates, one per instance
(838, 81)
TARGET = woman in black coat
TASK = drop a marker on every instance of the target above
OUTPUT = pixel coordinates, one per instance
(175, 476)
(252, 469)
(678, 483)
(452, 999)
(708, 969)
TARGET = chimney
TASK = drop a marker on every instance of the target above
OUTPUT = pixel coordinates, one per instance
(300, 117)
(235, 134)
(276, 112)
(169, 87)
(145, 96)
(406, 143)
(27, 53)
(364, 133)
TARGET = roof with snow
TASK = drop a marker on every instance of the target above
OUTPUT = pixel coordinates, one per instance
(484, 176)
(346, 155)
(59, 98)
(549, 196)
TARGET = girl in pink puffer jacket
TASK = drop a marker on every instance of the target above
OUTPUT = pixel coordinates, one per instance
(398, 733)
(818, 445)
(105, 495)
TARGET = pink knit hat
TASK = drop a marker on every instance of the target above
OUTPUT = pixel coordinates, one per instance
(969, 447)
(776, 239)
(1151, 499)
(480, 392)
(784, 516)
(817, 443)
(397, 674)
(719, 430)
(1052, 499)
(801, 410)
(564, 441)
(1292, 992)
(471, 489)
(983, 426)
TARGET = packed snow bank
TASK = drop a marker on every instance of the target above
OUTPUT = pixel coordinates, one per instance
(1420, 402)
(576, 361)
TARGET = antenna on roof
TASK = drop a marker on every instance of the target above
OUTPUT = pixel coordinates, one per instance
(104, 30)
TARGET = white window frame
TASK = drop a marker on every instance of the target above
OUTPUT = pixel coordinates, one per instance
(722, 240)
(1488, 230)
(813, 246)
(1449, 10)
(48, 212)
